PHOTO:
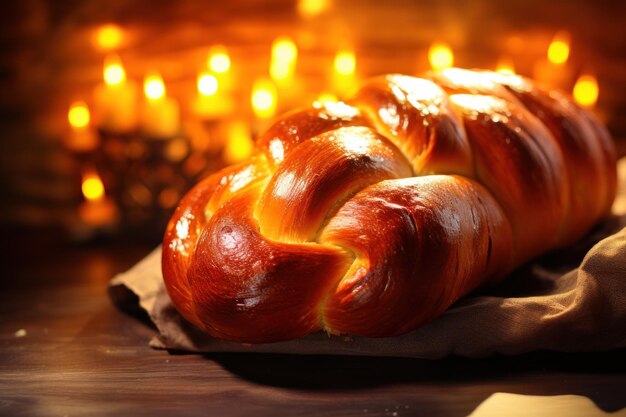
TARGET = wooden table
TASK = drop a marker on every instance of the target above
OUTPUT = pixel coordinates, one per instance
(66, 350)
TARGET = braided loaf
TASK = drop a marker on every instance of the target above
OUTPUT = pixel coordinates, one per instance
(371, 218)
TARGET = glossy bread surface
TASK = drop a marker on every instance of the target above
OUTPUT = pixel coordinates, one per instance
(372, 217)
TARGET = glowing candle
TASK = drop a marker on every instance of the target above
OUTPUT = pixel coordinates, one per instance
(554, 71)
(219, 60)
(263, 99)
(153, 87)
(115, 107)
(207, 84)
(440, 56)
(344, 74)
(312, 8)
(283, 61)
(210, 101)
(160, 118)
(345, 63)
(219, 63)
(78, 115)
(586, 91)
(239, 145)
(97, 210)
(505, 66)
(92, 187)
(108, 37)
(558, 51)
(82, 138)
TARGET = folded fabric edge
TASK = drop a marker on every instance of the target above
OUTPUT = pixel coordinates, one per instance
(436, 340)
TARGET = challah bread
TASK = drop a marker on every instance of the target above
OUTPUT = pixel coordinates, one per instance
(372, 217)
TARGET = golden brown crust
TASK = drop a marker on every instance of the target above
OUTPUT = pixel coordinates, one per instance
(248, 287)
(518, 161)
(436, 238)
(371, 218)
(190, 219)
(301, 125)
(417, 116)
(319, 175)
(588, 152)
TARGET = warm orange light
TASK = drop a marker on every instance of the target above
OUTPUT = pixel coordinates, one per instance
(505, 65)
(284, 49)
(440, 56)
(326, 97)
(218, 60)
(207, 84)
(263, 98)
(78, 115)
(92, 186)
(114, 73)
(109, 37)
(312, 8)
(586, 90)
(153, 87)
(168, 197)
(239, 145)
(558, 51)
(345, 63)
(284, 57)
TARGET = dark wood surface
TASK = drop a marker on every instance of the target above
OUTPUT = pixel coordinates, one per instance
(80, 356)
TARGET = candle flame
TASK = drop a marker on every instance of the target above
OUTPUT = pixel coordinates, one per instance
(586, 90)
(440, 56)
(92, 186)
(153, 87)
(284, 49)
(263, 98)
(312, 8)
(239, 145)
(78, 114)
(558, 51)
(114, 73)
(345, 63)
(284, 57)
(218, 60)
(505, 65)
(207, 84)
(109, 37)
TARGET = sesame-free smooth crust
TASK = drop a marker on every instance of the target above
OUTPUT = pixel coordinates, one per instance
(371, 217)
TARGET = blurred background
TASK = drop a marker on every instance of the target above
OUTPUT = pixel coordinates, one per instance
(110, 110)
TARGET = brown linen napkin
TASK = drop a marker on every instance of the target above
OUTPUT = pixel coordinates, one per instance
(540, 306)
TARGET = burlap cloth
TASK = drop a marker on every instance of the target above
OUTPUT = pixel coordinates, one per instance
(573, 300)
